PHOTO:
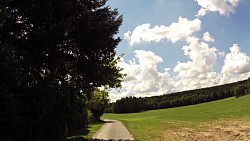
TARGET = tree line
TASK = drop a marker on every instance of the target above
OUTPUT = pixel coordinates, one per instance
(53, 54)
(191, 97)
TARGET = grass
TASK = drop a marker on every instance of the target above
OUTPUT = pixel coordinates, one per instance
(153, 125)
(86, 134)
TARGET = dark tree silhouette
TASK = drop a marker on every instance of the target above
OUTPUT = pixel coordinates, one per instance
(53, 53)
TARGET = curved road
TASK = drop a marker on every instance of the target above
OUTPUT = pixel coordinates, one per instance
(113, 130)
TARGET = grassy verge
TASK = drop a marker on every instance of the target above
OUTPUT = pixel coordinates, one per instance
(86, 134)
(154, 125)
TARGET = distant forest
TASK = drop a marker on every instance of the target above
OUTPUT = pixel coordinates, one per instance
(191, 97)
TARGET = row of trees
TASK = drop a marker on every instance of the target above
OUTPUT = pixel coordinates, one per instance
(53, 54)
(133, 104)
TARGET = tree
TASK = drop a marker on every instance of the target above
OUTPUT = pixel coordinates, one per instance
(54, 52)
(97, 103)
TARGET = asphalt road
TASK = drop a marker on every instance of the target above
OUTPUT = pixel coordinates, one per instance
(113, 130)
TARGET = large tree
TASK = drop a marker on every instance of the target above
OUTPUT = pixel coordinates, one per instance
(53, 54)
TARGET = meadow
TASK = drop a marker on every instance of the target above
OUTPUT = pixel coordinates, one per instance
(228, 118)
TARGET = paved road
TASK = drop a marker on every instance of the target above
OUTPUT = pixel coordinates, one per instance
(113, 130)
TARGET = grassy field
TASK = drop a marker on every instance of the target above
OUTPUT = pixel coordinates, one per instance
(162, 124)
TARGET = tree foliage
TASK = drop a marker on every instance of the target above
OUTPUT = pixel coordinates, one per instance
(97, 103)
(53, 54)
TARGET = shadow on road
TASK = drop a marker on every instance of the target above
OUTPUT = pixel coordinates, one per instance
(109, 121)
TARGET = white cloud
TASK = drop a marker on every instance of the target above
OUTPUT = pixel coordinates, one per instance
(244, 76)
(199, 71)
(175, 32)
(207, 37)
(200, 51)
(221, 54)
(236, 62)
(143, 78)
(224, 7)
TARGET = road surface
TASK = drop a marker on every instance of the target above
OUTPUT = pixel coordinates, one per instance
(113, 130)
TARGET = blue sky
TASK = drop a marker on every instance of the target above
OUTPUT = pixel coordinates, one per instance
(176, 45)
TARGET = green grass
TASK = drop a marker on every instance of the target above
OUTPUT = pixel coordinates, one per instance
(86, 134)
(153, 125)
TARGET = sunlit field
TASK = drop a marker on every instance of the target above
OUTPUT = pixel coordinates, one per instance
(191, 122)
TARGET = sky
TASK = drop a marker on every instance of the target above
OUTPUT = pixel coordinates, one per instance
(178, 45)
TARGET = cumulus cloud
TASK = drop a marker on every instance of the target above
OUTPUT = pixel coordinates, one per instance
(224, 7)
(175, 32)
(198, 72)
(236, 62)
(221, 54)
(143, 77)
(207, 37)
(200, 51)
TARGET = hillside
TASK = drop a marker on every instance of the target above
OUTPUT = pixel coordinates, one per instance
(228, 116)
(184, 98)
